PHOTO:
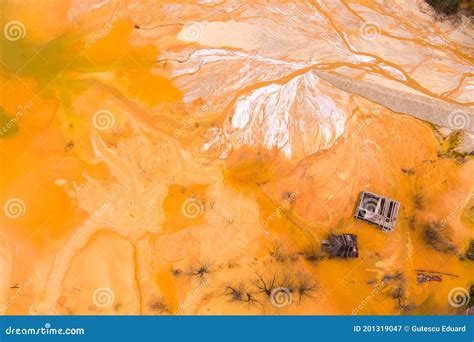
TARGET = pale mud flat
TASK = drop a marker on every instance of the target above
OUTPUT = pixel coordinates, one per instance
(221, 159)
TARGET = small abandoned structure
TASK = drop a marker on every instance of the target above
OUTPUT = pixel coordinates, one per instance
(378, 210)
(343, 246)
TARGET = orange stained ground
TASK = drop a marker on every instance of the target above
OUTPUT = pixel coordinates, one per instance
(126, 207)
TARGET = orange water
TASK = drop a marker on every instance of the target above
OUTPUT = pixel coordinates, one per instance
(76, 236)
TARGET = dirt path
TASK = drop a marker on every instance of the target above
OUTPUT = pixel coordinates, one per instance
(432, 110)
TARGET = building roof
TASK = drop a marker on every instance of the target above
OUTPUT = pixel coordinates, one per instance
(378, 210)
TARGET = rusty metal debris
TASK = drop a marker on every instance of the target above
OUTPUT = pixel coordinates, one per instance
(378, 210)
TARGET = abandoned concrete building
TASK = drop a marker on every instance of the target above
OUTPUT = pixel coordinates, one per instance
(378, 210)
(343, 246)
